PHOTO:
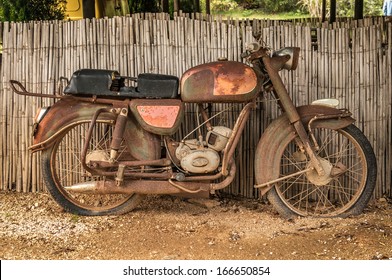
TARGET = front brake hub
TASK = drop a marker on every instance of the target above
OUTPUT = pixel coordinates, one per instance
(318, 180)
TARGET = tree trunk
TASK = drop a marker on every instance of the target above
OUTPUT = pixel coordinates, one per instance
(208, 7)
(358, 10)
(176, 5)
(324, 11)
(165, 6)
(332, 13)
(196, 5)
(124, 6)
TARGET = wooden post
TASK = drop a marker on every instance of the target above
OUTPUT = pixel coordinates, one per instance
(324, 11)
(196, 5)
(165, 6)
(358, 9)
(332, 12)
(208, 7)
(176, 6)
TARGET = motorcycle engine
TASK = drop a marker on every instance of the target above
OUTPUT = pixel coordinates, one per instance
(196, 157)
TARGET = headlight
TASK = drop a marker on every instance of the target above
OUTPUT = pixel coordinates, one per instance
(293, 52)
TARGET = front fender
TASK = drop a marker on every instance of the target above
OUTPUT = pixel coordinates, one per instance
(66, 113)
(281, 132)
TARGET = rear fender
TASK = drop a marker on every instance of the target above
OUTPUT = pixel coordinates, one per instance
(69, 112)
(280, 133)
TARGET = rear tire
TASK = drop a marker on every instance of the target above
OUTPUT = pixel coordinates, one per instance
(346, 192)
(61, 166)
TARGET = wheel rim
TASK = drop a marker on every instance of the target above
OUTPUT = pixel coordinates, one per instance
(67, 168)
(308, 195)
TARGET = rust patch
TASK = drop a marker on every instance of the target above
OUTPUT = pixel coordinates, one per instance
(159, 116)
(228, 82)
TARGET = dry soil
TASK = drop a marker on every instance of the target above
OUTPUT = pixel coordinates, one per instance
(33, 226)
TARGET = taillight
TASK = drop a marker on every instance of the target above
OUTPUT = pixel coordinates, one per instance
(40, 114)
(39, 117)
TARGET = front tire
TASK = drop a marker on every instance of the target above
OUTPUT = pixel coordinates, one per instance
(61, 166)
(351, 162)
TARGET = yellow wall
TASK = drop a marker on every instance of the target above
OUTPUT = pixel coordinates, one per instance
(74, 10)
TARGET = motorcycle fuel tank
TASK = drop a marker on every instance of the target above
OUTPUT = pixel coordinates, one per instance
(221, 81)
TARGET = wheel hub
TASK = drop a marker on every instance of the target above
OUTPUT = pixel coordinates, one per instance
(318, 180)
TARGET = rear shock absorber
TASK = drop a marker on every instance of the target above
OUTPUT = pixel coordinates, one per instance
(118, 133)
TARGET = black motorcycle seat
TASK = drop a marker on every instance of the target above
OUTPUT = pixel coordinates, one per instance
(109, 83)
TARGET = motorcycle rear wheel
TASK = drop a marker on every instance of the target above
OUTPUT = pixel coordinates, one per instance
(61, 166)
(344, 191)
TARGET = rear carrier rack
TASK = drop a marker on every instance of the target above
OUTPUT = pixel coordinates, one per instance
(108, 83)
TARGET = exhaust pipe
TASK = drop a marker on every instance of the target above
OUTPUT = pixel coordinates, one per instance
(188, 188)
(139, 186)
(86, 187)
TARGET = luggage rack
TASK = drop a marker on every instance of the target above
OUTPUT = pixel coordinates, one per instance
(20, 89)
(98, 83)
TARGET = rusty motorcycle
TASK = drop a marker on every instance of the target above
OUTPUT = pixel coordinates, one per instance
(108, 140)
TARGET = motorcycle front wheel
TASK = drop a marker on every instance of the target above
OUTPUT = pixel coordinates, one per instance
(61, 167)
(344, 190)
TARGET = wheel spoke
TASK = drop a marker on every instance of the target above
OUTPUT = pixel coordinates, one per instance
(67, 169)
(336, 192)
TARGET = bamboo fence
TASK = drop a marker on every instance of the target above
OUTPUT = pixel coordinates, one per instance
(350, 61)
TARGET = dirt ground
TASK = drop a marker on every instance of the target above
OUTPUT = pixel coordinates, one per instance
(33, 226)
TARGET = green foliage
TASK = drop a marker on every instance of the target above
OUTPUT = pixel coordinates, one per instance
(344, 8)
(373, 7)
(312, 6)
(223, 5)
(270, 6)
(26, 10)
(281, 5)
(189, 6)
(142, 6)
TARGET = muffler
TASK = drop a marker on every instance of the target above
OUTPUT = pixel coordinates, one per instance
(141, 187)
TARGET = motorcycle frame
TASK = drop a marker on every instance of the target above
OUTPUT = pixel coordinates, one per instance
(164, 162)
(285, 103)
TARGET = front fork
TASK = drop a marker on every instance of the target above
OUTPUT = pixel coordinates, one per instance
(293, 116)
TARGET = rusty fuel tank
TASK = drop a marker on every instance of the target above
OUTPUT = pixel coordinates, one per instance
(221, 81)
